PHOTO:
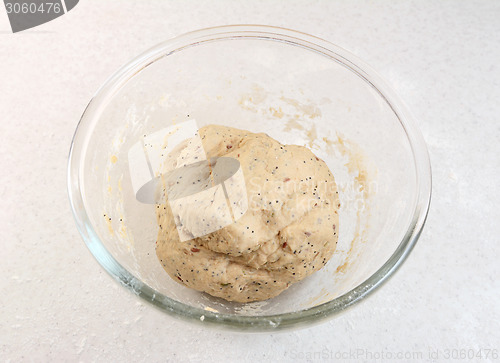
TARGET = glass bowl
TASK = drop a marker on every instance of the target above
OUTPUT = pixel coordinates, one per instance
(297, 88)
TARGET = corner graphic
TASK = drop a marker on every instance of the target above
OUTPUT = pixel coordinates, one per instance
(26, 14)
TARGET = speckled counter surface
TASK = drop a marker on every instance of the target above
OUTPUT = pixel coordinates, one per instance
(58, 304)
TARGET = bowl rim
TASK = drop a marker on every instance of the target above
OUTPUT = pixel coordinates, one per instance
(315, 314)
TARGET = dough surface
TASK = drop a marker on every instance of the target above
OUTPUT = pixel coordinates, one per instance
(289, 230)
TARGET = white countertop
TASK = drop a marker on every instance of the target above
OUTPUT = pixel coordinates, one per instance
(442, 57)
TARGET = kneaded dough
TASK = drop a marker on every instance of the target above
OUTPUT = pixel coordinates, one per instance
(289, 231)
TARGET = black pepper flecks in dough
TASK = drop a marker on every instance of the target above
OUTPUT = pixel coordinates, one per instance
(288, 232)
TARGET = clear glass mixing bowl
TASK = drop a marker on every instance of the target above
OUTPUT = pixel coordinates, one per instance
(298, 89)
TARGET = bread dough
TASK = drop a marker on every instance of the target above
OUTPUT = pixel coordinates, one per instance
(289, 231)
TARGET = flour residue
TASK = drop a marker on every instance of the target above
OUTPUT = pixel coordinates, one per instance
(114, 214)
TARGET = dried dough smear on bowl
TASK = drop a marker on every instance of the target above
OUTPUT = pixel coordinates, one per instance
(299, 90)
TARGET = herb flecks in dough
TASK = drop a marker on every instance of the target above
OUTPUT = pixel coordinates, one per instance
(289, 231)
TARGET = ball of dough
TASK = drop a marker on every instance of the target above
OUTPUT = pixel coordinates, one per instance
(289, 230)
